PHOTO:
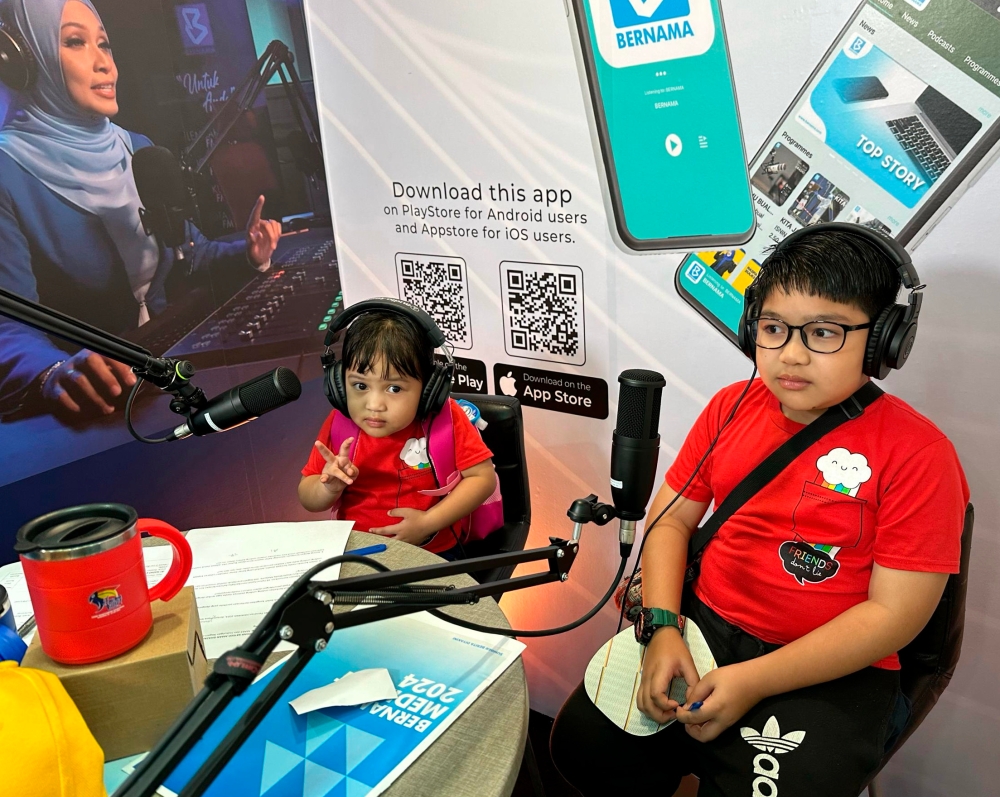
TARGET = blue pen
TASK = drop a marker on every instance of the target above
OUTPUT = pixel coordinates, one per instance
(368, 551)
(695, 706)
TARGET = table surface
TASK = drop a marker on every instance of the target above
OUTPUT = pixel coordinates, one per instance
(479, 755)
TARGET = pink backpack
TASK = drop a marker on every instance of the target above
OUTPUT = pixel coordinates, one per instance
(440, 434)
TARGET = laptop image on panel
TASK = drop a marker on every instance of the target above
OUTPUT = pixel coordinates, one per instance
(933, 131)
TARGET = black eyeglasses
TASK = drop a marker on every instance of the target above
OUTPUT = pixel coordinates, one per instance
(822, 337)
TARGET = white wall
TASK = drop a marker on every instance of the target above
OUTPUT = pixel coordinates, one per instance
(479, 90)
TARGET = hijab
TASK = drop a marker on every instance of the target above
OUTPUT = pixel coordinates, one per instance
(83, 158)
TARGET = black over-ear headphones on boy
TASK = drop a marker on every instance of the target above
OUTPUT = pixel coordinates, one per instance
(438, 387)
(891, 336)
(18, 67)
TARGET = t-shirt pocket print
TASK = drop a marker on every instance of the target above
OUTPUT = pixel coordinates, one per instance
(827, 517)
(413, 486)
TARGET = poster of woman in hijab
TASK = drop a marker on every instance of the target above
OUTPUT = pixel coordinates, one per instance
(101, 82)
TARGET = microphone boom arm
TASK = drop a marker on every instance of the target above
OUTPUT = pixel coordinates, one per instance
(276, 59)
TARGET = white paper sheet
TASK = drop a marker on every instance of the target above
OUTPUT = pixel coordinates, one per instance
(353, 689)
(613, 675)
(238, 573)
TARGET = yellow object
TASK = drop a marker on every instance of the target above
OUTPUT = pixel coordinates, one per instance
(47, 748)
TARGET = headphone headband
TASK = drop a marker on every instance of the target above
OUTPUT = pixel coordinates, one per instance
(439, 382)
(893, 331)
(890, 247)
(387, 304)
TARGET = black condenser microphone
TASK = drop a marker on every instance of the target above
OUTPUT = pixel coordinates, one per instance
(242, 403)
(635, 447)
(167, 204)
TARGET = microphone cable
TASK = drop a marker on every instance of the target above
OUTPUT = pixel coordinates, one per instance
(514, 632)
(624, 562)
(680, 492)
(128, 417)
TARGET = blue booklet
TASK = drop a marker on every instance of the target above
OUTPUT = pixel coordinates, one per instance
(438, 669)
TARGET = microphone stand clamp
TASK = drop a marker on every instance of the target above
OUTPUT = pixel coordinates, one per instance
(589, 510)
(592, 510)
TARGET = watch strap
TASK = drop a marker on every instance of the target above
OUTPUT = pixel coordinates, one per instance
(649, 620)
(662, 617)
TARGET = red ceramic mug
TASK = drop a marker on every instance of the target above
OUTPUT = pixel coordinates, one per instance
(85, 575)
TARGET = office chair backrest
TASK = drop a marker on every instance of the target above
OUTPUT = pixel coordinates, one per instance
(504, 435)
(929, 661)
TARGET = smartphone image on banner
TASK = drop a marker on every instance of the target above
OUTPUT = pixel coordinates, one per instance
(662, 109)
(889, 130)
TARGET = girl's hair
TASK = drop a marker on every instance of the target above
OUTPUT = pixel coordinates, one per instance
(394, 339)
(833, 265)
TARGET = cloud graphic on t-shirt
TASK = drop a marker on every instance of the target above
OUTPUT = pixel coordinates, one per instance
(840, 466)
(414, 453)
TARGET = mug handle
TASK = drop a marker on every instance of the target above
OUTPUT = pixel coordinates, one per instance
(180, 568)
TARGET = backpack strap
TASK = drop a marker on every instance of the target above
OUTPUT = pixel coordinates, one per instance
(776, 462)
(440, 432)
(341, 428)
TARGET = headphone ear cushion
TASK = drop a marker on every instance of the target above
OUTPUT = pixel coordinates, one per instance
(747, 346)
(743, 336)
(901, 345)
(436, 391)
(336, 390)
(879, 337)
(18, 68)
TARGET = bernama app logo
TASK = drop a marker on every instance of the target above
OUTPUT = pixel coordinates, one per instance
(627, 13)
(635, 32)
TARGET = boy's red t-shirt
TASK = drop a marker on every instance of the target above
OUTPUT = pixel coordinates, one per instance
(385, 481)
(886, 487)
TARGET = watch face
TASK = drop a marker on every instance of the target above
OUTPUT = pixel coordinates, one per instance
(643, 627)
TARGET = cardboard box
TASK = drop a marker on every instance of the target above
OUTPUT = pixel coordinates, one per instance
(129, 701)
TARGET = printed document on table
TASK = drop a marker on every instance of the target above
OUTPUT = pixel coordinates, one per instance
(240, 571)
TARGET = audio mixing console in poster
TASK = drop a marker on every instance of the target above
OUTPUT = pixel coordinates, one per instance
(229, 264)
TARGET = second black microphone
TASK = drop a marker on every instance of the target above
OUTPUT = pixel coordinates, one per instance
(635, 446)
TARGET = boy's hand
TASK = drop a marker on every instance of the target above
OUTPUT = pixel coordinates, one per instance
(339, 471)
(412, 528)
(666, 657)
(726, 695)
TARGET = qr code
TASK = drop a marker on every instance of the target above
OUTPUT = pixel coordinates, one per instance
(543, 312)
(440, 287)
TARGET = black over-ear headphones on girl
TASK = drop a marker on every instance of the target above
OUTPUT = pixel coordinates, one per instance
(891, 336)
(18, 67)
(438, 387)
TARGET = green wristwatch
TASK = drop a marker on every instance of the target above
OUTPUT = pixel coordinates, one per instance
(651, 619)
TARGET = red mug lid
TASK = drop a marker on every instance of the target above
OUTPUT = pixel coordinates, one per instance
(75, 527)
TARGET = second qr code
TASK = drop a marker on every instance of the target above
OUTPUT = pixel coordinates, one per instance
(543, 312)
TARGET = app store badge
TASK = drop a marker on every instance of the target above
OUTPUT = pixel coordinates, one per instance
(556, 391)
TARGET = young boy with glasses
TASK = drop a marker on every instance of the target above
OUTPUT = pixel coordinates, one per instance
(808, 591)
